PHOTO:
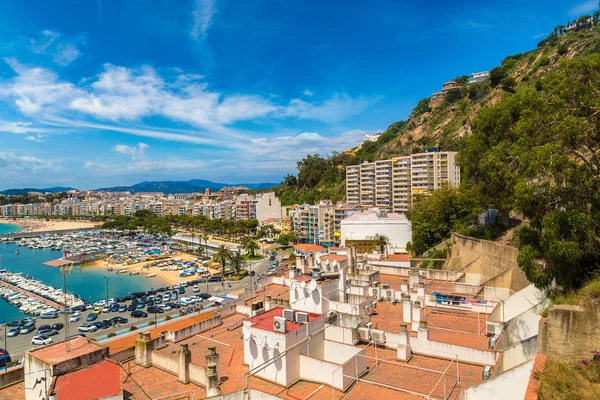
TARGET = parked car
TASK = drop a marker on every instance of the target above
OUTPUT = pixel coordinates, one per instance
(49, 315)
(119, 320)
(106, 309)
(108, 322)
(44, 328)
(174, 295)
(13, 332)
(91, 317)
(181, 290)
(97, 310)
(41, 340)
(27, 328)
(158, 299)
(204, 296)
(87, 328)
(272, 258)
(252, 273)
(75, 317)
(15, 324)
(196, 289)
(155, 310)
(100, 303)
(164, 307)
(58, 326)
(138, 314)
(4, 358)
(131, 307)
(215, 278)
(173, 305)
(167, 297)
(114, 308)
(79, 308)
(47, 332)
(122, 308)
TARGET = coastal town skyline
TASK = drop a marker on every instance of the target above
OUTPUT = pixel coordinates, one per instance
(178, 94)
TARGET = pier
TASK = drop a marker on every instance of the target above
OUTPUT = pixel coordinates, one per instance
(29, 294)
(26, 235)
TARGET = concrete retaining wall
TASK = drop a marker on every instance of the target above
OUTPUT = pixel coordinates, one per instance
(12, 376)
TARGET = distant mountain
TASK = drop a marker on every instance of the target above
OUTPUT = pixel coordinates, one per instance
(16, 192)
(193, 185)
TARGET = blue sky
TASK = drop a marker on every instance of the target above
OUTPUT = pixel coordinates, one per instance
(114, 92)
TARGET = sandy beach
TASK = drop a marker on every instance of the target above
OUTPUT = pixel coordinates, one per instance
(40, 225)
(171, 277)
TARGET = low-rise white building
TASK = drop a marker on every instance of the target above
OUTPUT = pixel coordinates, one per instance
(362, 230)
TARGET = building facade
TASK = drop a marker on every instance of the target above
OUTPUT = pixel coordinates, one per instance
(393, 184)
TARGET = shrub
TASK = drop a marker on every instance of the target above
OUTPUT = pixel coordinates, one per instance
(544, 62)
(563, 49)
(133, 328)
(181, 313)
(496, 75)
(421, 108)
(168, 318)
(508, 83)
(453, 95)
(111, 334)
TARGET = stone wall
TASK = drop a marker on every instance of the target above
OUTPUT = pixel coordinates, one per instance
(12, 376)
(570, 332)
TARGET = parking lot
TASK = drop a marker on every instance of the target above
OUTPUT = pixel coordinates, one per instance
(19, 344)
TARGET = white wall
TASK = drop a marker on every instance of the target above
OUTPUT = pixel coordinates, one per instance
(398, 231)
(509, 385)
(518, 303)
(518, 354)
(268, 206)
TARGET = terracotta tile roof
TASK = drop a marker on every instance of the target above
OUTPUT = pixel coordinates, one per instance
(308, 248)
(338, 248)
(334, 257)
(97, 381)
(397, 257)
(57, 352)
(15, 391)
(534, 383)
(264, 321)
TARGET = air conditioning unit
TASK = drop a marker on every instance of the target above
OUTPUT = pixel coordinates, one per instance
(492, 342)
(486, 372)
(378, 336)
(385, 285)
(375, 293)
(374, 284)
(367, 310)
(390, 295)
(289, 314)
(302, 317)
(493, 328)
(364, 334)
(332, 318)
(279, 325)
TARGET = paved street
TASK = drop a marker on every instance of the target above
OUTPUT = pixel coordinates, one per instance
(19, 344)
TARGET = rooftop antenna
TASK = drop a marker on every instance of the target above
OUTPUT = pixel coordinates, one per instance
(260, 339)
(313, 285)
(354, 323)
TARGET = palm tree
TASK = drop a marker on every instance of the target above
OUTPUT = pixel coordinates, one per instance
(382, 241)
(222, 255)
(205, 238)
(250, 246)
(237, 260)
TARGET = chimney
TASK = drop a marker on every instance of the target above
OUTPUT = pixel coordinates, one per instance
(351, 259)
(416, 315)
(404, 286)
(143, 349)
(292, 273)
(185, 358)
(421, 289)
(268, 302)
(212, 387)
(423, 333)
(406, 309)
(413, 278)
(213, 357)
(404, 351)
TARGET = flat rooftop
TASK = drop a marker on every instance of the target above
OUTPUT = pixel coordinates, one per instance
(431, 285)
(264, 321)
(273, 290)
(461, 328)
(64, 350)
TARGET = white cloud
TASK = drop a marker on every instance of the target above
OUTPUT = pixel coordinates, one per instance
(309, 93)
(135, 152)
(11, 163)
(202, 18)
(16, 127)
(583, 8)
(62, 52)
(36, 138)
(35, 88)
(334, 110)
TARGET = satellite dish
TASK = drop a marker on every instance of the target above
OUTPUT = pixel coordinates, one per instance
(260, 339)
(354, 323)
(247, 332)
(313, 285)
(271, 341)
(303, 285)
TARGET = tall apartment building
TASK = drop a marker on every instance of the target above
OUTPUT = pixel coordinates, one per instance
(393, 184)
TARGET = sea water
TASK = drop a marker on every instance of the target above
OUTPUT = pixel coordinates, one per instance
(9, 228)
(87, 282)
